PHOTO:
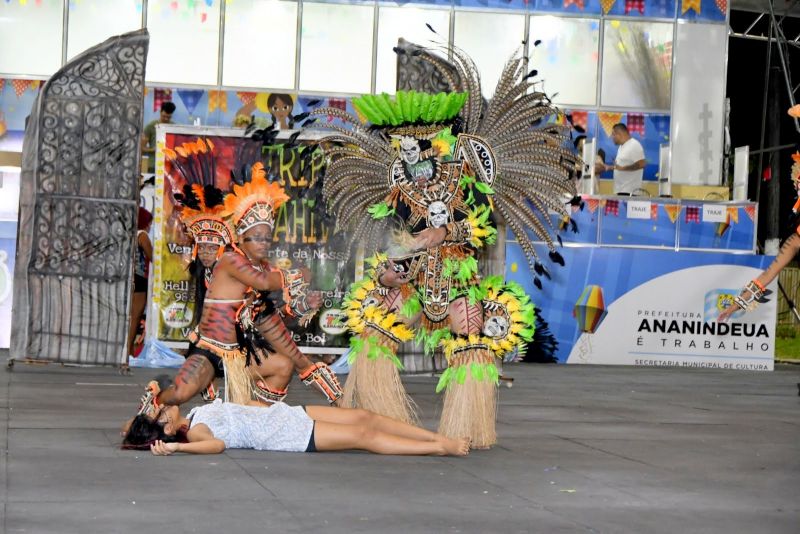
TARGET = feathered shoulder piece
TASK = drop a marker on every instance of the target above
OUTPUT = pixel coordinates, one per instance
(255, 202)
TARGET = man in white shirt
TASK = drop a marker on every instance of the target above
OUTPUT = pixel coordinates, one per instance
(629, 165)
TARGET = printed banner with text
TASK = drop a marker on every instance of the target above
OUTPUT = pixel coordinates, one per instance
(652, 308)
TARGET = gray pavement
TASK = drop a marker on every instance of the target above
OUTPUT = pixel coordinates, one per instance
(582, 449)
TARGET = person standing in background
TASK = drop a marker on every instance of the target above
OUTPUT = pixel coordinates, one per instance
(149, 134)
(629, 164)
(141, 268)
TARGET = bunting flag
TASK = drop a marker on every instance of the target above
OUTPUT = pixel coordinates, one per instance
(160, 96)
(35, 85)
(608, 120)
(751, 212)
(733, 214)
(591, 204)
(654, 211)
(635, 123)
(190, 98)
(612, 208)
(2, 84)
(246, 97)
(578, 3)
(580, 118)
(673, 210)
(631, 5)
(607, 5)
(692, 214)
(686, 5)
(723, 227)
(20, 86)
(338, 103)
(218, 100)
(722, 5)
(146, 91)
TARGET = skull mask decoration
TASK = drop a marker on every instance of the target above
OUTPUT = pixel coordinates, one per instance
(409, 150)
(437, 214)
(370, 301)
(496, 326)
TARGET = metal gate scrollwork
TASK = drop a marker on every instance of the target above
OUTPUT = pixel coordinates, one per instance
(78, 202)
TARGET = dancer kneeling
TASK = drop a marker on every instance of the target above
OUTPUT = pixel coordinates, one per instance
(212, 428)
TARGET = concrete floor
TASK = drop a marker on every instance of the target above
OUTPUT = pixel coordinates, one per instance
(582, 449)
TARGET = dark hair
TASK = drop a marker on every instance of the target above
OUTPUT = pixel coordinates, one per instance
(274, 97)
(198, 271)
(577, 141)
(144, 432)
(620, 126)
(602, 154)
(168, 106)
(143, 218)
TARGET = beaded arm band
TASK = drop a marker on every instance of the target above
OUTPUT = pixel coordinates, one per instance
(295, 290)
(751, 296)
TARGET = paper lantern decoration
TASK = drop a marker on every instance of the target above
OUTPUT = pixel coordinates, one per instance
(590, 310)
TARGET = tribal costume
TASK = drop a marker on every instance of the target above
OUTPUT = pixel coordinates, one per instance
(443, 164)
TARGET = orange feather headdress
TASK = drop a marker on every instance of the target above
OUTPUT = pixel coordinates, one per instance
(256, 202)
(205, 216)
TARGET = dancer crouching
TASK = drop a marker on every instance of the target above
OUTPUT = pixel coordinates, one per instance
(212, 428)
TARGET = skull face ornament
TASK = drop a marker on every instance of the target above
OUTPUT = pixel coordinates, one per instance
(370, 301)
(496, 326)
(409, 150)
(437, 214)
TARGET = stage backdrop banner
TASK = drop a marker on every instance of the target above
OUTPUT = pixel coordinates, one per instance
(302, 237)
(647, 307)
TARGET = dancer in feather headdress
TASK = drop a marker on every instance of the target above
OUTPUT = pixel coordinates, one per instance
(429, 171)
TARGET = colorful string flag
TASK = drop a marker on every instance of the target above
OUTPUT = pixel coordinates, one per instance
(673, 210)
(580, 118)
(612, 208)
(20, 86)
(160, 96)
(577, 3)
(635, 123)
(722, 5)
(608, 120)
(733, 214)
(591, 204)
(2, 84)
(692, 214)
(654, 211)
(751, 211)
(637, 5)
(246, 97)
(190, 98)
(590, 310)
(218, 100)
(607, 5)
(686, 5)
(338, 103)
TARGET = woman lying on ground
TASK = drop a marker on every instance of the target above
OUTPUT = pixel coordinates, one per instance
(212, 428)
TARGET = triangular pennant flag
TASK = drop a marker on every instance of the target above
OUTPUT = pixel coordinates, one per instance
(246, 97)
(733, 214)
(20, 86)
(591, 204)
(722, 5)
(608, 120)
(218, 100)
(654, 211)
(686, 5)
(578, 3)
(751, 212)
(190, 98)
(580, 118)
(2, 84)
(607, 5)
(673, 210)
(637, 5)
(692, 214)
(160, 96)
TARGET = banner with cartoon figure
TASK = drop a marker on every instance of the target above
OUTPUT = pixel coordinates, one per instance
(648, 307)
(303, 234)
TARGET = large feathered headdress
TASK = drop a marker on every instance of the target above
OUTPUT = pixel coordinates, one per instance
(203, 212)
(255, 202)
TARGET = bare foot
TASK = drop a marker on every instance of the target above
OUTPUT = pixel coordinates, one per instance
(455, 447)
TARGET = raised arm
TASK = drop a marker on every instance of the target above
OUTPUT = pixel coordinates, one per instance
(240, 268)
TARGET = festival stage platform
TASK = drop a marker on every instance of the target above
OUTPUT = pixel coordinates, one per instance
(582, 449)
